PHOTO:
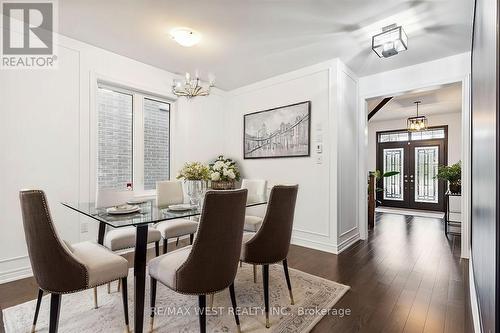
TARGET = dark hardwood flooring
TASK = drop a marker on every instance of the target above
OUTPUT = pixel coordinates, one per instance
(407, 277)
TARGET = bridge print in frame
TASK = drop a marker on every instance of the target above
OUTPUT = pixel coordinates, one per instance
(284, 131)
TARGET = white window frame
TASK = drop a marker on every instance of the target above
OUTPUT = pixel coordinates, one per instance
(138, 96)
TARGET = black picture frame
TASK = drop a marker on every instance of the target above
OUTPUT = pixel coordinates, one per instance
(247, 156)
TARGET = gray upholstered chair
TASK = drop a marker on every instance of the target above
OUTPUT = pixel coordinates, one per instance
(117, 239)
(170, 193)
(211, 263)
(60, 268)
(257, 189)
(271, 243)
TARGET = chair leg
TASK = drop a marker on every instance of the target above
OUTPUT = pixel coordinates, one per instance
(152, 304)
(265, 281)
(289, 284)
(212, 296)
(202, 302)
(109, 287)
(118, 288)
(37, 309)
(165, 245)
(55, 309)
(191, 239)
(254, 273)
(95, 298)
(157, 248)
(241, 263)
(177, 242)
(235, 307)
(125, 302)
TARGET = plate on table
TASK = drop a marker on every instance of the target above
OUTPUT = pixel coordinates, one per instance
(136, 201)
(123, 209)
(181, 207)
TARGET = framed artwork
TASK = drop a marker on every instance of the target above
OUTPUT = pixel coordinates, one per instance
(284, 131)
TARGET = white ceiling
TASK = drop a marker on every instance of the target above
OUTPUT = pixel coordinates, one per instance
(438, 100)
(247, 41)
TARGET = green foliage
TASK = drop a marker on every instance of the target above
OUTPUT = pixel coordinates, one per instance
(379, 175)
(194, 171)
(452, 174)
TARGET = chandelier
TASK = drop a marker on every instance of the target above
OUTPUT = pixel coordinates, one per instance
(191, 87)
(390, 41)
(418, 123)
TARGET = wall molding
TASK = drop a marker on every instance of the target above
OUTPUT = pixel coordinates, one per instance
(315, 245)
(346, 243)
(474, 304)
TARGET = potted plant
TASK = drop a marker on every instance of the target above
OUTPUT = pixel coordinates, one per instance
(195, 177)
(223, 173)
(374, 178)
(453, 175)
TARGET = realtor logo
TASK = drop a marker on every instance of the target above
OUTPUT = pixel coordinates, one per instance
(28, 35)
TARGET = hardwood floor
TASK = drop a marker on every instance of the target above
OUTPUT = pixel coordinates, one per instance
(407, 277)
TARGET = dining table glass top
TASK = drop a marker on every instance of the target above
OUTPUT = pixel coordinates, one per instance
(149, 213)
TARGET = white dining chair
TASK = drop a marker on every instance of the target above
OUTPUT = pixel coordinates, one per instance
(168, 193)
(118, 239)
(257, 189)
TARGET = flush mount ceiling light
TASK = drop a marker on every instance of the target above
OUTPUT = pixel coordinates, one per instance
(390, 41)
(191, 87)
(185, 36)
(418, 123)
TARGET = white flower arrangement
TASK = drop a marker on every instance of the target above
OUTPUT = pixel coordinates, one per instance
(224, 169)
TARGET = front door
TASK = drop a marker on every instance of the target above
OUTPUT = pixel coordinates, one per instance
(416, 157)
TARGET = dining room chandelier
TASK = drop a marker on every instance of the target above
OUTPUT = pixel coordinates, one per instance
(191, 87)
(417, 123)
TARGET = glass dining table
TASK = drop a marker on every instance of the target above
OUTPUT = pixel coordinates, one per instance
(148, 214)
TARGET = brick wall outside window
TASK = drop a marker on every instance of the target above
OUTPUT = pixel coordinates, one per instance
(156, 143)
(114, 139)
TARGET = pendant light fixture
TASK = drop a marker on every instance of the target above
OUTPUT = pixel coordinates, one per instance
(418, 123)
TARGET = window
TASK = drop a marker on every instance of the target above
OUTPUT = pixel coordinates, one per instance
(156, 142)
(133, 143)
(399, 136)
(114, 169)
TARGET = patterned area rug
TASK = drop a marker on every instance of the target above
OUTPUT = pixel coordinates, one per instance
(314, 297)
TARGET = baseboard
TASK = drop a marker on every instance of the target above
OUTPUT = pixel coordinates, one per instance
(347, 243)
(473, 299)
(321, 246)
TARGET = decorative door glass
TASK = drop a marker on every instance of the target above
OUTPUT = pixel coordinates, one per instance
(426, 165)
(393, 186)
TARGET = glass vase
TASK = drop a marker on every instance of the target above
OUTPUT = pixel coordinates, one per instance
(195, 190)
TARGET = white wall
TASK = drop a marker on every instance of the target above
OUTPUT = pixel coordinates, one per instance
(453, 120)
(47, 137)
(333, 119)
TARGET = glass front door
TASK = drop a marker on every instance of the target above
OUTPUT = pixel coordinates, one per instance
(417, 162)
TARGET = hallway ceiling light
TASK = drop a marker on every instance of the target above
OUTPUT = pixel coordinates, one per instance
(390, 41)
(418, 123)
(191, 87)
(185, 36)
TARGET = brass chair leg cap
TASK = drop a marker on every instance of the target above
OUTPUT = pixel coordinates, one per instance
(33, 328)
(238, 328)
(267, 323)
(127, 329)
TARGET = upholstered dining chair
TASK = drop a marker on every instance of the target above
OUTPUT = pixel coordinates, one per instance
(170, 193)
(117, 239)
(211, 263)
(60, 268)
(257, 189)
(271, 243)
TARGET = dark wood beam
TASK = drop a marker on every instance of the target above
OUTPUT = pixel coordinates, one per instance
(378, 107)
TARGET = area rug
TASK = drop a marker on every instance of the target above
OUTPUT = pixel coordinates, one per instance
(314, 298)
